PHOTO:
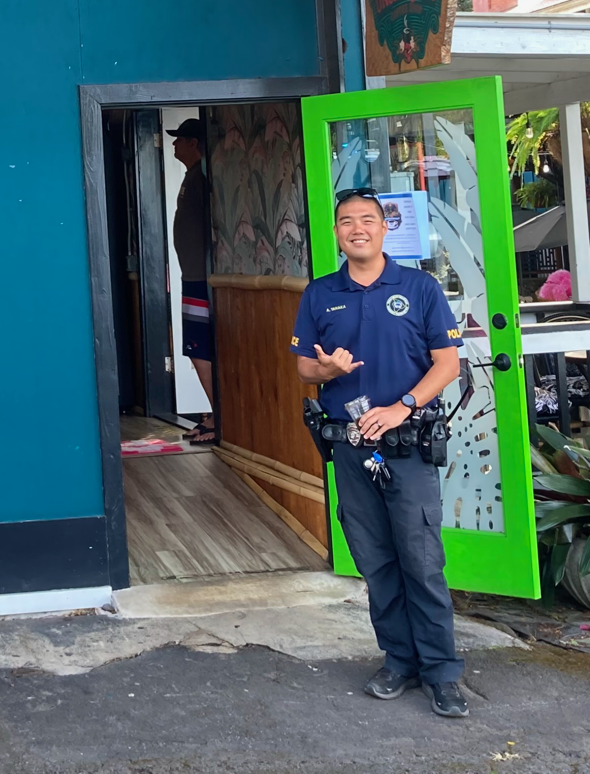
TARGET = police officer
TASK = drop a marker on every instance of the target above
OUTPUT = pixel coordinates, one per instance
(383, 330)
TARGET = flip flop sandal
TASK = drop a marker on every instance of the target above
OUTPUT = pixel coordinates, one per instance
(190, 434)
(194, 441)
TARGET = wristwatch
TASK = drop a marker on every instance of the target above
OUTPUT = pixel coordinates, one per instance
(409, 401)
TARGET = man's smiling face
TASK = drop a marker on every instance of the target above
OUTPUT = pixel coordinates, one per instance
(360, 228)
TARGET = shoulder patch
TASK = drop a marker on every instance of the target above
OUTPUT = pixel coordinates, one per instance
(295, 341)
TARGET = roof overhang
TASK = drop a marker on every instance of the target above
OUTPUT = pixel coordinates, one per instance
(544, 60)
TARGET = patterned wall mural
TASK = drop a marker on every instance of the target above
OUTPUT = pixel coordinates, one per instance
(258, 209)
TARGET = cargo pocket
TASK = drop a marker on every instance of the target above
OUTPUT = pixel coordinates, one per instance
(434, 554)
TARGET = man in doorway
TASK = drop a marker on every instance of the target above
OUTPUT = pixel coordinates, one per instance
(189, 243)
(383, 330)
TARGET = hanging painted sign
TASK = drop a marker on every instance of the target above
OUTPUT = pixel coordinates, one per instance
(402, 36)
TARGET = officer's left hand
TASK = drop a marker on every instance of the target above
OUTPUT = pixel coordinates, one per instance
(378, 420)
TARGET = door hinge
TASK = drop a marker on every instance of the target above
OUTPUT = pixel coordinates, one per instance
(157, 140)
(169, 365)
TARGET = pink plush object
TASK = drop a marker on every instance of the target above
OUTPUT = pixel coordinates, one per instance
(558, 287)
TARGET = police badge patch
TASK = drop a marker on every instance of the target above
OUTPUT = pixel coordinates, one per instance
(397, 305)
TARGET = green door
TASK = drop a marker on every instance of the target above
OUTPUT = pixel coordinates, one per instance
(437, 153)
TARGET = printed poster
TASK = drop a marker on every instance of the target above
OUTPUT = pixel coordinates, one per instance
(406, 215)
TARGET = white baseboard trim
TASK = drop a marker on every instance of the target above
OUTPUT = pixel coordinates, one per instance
(55, 601)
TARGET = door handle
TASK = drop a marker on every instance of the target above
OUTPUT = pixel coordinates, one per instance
(502, 362)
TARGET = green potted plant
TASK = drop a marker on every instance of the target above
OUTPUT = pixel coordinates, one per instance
(562, 508)
(541, 194)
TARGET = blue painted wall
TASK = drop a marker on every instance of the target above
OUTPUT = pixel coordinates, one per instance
(352, 32)
(50, 459)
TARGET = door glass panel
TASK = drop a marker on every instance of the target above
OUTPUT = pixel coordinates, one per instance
(424, 167)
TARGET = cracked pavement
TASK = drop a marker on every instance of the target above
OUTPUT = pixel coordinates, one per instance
(77, 644)
(274, 692)
(174, 710)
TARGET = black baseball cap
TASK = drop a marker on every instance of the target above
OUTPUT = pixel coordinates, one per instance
(190, 128)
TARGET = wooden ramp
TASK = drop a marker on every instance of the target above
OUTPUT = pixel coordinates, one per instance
(189, 516)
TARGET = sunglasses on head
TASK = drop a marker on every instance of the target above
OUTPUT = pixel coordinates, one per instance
(365, 193)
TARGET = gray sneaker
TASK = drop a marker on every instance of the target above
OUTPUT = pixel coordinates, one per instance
(446, 699)
(386, 684)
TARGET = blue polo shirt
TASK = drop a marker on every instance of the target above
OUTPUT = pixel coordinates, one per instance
(392, 326)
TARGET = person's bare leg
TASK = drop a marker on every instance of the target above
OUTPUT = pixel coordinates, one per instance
(205, 374)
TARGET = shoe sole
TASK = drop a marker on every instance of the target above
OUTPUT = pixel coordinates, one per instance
(413, 682)
(454, 712)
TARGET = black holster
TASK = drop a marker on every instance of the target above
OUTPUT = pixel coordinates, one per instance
(313, 416)
(427, 429)
(434, 436)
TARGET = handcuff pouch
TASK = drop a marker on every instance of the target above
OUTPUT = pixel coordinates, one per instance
(405, 438)
(390, 449)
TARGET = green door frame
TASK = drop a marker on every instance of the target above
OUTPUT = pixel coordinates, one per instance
(500, 563)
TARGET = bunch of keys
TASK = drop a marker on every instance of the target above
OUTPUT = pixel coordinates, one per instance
(376, 465)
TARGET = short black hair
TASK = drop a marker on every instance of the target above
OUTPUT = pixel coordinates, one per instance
(364, 198)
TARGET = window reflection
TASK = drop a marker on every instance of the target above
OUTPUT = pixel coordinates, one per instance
(406, 154)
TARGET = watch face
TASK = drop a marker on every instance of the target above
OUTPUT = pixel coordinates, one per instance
(409, 401)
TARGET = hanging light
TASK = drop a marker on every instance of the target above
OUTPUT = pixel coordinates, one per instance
(546, 168)
(529, 129)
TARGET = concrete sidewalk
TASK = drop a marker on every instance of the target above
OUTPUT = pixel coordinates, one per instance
(339, 630)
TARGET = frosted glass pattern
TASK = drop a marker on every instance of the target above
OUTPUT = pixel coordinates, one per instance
(429, 160)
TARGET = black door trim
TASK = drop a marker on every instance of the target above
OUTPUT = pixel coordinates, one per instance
(93, 99)
(153, 266)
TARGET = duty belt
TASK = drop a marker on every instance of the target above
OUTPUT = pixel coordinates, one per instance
(396, 441)
(428, 429)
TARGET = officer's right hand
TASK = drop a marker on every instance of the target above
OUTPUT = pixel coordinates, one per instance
(337, 364)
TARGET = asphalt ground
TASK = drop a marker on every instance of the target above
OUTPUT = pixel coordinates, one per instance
(257, 711)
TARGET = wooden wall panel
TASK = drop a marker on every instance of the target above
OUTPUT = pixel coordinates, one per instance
(260, 393)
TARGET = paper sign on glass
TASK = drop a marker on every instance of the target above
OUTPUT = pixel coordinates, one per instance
(406, 215)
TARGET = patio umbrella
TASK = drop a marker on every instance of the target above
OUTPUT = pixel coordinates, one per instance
(549, 229)
(534, 233)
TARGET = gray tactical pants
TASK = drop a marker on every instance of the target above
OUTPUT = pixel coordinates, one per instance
(394, 536)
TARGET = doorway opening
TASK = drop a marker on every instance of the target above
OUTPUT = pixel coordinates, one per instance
(188, 514)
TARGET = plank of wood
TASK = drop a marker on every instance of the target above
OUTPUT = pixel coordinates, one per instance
(191, 516)
(173, 476)
(311, 514)
(260, 459)
(271, 476)
(287, 517)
